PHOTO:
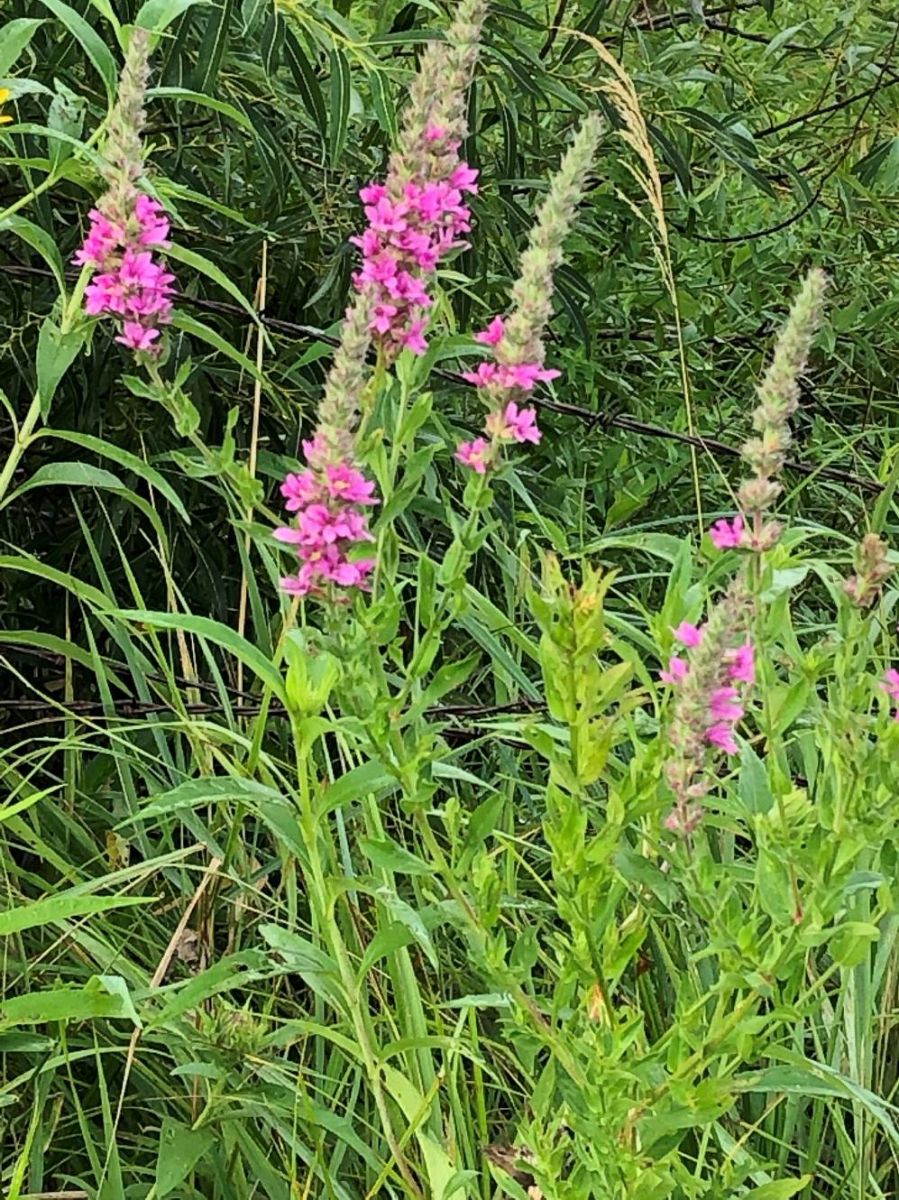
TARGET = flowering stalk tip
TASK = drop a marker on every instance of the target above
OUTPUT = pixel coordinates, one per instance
(417, 215)
(710, 682)
(778, 396)
(516, 341)
(127, 227)
(331, 496)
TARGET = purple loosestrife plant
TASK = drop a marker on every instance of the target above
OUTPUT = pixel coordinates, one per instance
(778, 395)
(331, 496)
(127, 226)
(517, 341)
(708, 683)
(416, 216)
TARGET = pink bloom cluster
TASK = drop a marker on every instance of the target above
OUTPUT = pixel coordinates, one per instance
(724, 709)
(131, 284)
(510, 422)
(505, 376)
(405, 239)
(729, 535)
(329, 500)
(891, 687)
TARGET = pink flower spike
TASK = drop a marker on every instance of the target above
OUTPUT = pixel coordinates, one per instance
(727, 535)
(474, 454)
(677, 670)
(493, 334)
(742, 664)
(688, 635)
(722, 735)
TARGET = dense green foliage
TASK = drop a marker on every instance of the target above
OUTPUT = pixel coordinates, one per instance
(390, 909)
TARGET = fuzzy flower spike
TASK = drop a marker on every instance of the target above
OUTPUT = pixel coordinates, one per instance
(331, 496)
(127, 226)
(418, 214)
(778, 395)
(712, 679)
(516, 367)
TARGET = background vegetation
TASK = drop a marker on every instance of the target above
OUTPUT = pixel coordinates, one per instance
(136, 755)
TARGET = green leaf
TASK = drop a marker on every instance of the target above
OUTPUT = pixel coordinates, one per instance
(371, 778)
(95, 999)
(56, 351)
(64, 907)
(157, 15)
(69, 474)
(782, 1189)
(754, 788)
(14, 37)
(203, 101)
(201, 264)
(90, 41)
(194, 792)
(213, 631)
(341, 88)
(391, 857)
(180, 1149)
(126, 459)
(41, 241)
(307, 82)
(190, 325)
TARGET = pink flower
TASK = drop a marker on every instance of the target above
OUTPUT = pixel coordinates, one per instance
(677, 670)
(413, 337)
(465, 178)
(688, 635)
(137, 337)
(382, 317)
(727, 535)
(409, 287)
(514, 424)
(483, 376)
(103, 238)
(523, 423)
(493, 334)
(372, 193)
(742, 663)
(346, 483)
(300, 490)
(474, 454)
(723, 705)
(405, 240)
(154, 223)
(525, 375)
(329, 500)
(435, 133)
(386, 217)
(891, 684)
(722, 735)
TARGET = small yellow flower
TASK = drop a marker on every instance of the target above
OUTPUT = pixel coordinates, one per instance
(5, 94)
